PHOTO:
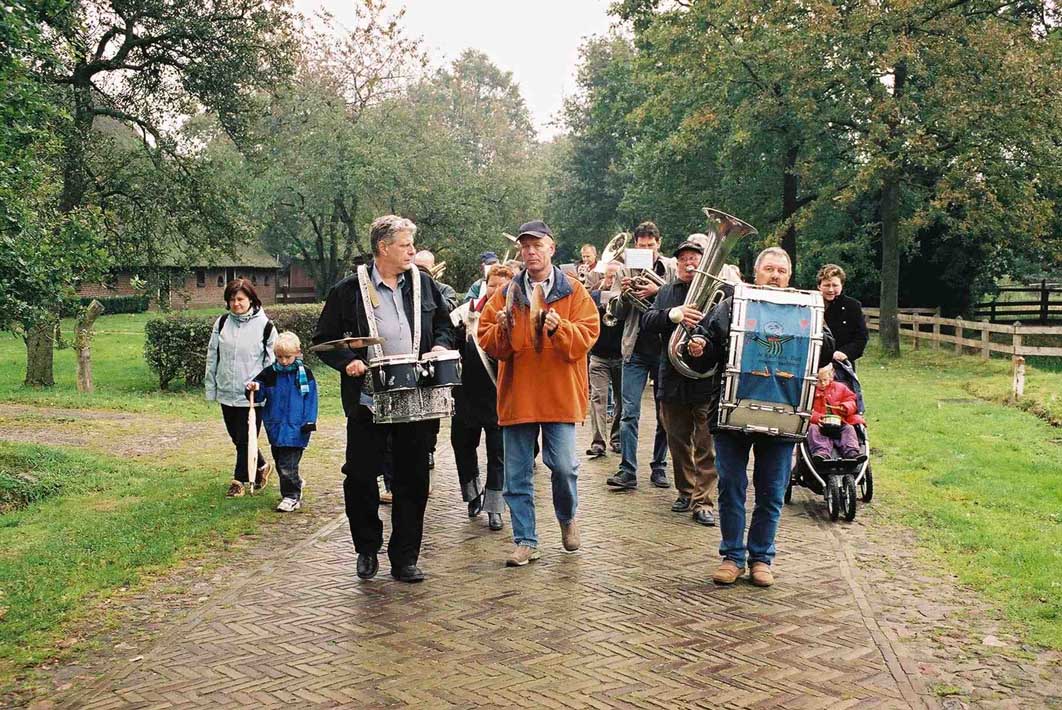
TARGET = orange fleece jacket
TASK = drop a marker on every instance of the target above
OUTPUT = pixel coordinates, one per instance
(550, 386)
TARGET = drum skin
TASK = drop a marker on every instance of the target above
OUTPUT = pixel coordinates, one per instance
(769, 384)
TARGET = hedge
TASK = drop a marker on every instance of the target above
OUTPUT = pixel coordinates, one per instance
(175, 346)
(119, 304)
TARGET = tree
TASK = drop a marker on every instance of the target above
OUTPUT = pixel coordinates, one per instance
(316, 160)
(145, 66)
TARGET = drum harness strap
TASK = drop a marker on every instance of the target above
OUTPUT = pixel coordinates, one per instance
(370, 299)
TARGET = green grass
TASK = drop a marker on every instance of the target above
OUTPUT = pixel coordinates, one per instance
(122, 378)
(980, 483)
(113, 523)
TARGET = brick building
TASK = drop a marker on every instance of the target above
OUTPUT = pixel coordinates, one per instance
(201, 285)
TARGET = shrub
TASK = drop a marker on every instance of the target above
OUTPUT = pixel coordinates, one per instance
(119, 304)
(301, 319)
(175, 346)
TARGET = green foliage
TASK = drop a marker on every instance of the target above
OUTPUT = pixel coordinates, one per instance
(112, 305)
(175, 346)
(919, 138)
(300, 319)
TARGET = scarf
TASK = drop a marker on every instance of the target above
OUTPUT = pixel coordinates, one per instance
(304, 384)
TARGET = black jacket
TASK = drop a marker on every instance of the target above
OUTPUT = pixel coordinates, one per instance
(715, 328)
(672, 386)
(476, 400)
(610, 342)
(343, 317)
(844, 315)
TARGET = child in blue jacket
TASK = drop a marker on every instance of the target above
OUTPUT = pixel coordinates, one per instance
(289, 415)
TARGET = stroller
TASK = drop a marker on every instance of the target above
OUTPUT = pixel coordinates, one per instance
(839, 481)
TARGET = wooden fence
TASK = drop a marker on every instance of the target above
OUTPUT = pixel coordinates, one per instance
(1037, 307)
(926, 327)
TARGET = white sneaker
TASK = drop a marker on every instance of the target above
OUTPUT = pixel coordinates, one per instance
(289, 505)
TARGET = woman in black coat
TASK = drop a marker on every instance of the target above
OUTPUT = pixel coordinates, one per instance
(844, 315)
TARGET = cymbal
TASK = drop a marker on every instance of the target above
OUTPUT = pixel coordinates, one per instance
(346, 344)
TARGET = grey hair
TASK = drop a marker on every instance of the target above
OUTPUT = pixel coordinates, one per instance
(385, 229)
(772, 251)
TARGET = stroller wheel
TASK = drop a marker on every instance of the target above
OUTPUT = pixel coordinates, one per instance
(833, 497)
(848, 497)
(866, 486)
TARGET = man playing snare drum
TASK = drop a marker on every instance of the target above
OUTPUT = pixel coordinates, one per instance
(707, 348)
(391, 301)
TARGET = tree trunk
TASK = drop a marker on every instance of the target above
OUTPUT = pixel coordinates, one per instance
(890, 233)
(790, 184)
(39, 355)
(890, 266)
(83, 344)
(39, 343)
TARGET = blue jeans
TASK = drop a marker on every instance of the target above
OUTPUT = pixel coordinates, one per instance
(636, 371)
(558, 453)
(773, 458)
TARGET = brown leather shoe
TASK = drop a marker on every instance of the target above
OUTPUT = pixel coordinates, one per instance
(570, 536)
(235, 490)
(261, 479)
(760, 574)
(727, 573)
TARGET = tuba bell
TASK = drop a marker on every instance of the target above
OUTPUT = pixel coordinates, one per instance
(706, 289)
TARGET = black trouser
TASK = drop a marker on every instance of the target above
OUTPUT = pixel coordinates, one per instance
(433, 433)
(236, 424)
(464, 437)
(286, 459)
(366, 449)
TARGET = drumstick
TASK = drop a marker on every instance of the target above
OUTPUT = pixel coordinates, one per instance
(252, 444)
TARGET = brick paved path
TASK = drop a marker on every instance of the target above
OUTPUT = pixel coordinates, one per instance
(632, 620)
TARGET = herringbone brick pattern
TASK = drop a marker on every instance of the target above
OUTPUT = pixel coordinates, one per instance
(632, 620)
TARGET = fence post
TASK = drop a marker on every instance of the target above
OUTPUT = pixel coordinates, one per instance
(936, 329)
(958, 336)
(915, 325)
(1043, 302)
(986, 344)
(1018, 384)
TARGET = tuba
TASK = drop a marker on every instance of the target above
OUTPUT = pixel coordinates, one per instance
(706, 288)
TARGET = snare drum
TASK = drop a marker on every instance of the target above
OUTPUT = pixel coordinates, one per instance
(441, 368)
(769, 383)
(394, 372)
(412, 405)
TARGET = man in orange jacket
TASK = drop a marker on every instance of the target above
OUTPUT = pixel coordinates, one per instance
(542, 383)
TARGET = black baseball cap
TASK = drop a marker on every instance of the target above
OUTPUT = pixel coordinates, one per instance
(536, 228)
(689, 245)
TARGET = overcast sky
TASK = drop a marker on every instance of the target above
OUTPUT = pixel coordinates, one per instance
(537, 41)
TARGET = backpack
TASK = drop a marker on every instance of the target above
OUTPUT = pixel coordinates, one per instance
(266, 332)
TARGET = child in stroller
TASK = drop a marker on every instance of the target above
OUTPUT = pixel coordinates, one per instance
(834, 417)
(833, 460)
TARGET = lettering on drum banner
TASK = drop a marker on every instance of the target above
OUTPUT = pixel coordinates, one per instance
(775, 352)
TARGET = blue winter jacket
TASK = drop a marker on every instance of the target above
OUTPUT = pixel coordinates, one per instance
(288, 415)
